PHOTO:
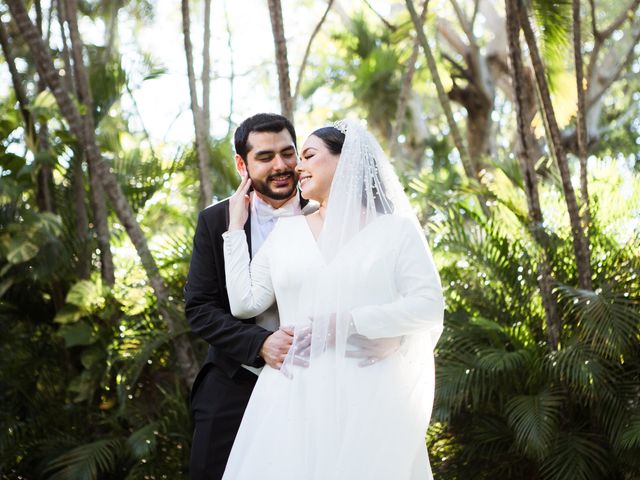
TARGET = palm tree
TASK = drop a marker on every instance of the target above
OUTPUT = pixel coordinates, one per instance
(98, 201)
(529, 174)
(507, 405)
(200, 119)
(282, 63)
(581, 126)
(206, 68)
(46, 69)
(442, 95)
(580, 241)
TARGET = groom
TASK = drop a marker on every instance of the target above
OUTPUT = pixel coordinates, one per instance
(265, 147)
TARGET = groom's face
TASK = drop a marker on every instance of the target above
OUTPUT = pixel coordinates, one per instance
(271, 162)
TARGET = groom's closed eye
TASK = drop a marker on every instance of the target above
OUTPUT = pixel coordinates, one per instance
(268, 155)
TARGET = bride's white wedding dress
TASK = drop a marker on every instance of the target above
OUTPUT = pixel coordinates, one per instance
(336, 420)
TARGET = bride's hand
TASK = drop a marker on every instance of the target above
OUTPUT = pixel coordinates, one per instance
(371, 351)
(239, 205)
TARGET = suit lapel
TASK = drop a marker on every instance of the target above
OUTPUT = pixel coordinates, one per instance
(247, 231)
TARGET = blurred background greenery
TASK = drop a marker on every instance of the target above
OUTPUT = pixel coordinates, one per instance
(527, 185)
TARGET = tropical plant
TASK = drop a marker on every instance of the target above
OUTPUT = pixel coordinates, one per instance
(507, 405)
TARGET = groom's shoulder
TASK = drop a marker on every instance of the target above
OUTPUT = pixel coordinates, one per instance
(216, 209)
(215, 215)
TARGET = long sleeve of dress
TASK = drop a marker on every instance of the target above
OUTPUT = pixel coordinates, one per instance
(249, 284)
(420, 306)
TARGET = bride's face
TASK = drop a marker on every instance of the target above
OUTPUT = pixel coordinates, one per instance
(316, 169)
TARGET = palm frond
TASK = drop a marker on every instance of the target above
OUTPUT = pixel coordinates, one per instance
(535, 420)
(579, 368)
(630, 438)
(142, 443)
(139, 177)
(609, 321)
(577, 456)
(86, 462)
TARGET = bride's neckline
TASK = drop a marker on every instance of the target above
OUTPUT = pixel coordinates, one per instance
(314, 240)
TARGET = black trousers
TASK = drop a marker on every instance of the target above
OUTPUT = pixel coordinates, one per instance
(217, 404)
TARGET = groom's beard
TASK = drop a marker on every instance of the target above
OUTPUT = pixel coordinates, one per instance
(277, 186)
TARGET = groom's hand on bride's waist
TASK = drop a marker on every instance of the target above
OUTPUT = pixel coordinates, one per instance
(276, 346)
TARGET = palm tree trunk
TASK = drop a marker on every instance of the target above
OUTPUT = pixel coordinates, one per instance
(184, 353)
(202, 148)
(442, 95)
(284, 85)
(581, 126)
(206, 67)
(21, 95)
(82, 220)
(529, 174)
(405, 89)
(580, 241)
(35, 140)
(44, 197)
(111, 33)
(79, 193)
(232, 73)
(68, 68)
(96, 191)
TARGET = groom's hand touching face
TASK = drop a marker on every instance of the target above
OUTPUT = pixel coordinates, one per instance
(270, 163)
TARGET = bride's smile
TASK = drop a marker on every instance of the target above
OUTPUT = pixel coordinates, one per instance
(316, 169)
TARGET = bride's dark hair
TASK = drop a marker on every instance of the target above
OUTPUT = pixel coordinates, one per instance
(334, 140)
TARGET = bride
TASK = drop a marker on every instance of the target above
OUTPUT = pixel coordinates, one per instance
(356, 272)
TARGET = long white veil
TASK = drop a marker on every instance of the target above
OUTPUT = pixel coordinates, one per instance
(364, 189)
(368, 218)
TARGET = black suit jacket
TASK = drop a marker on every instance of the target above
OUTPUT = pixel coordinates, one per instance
(232, 341)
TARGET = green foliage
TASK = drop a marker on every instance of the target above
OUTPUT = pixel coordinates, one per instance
(88, 384)
(508, 406)
(554, 20)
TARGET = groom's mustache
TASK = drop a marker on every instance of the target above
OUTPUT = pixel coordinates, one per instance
(279, 175)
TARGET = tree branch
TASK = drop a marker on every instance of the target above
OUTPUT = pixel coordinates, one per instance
(466, 27)
(390, 26)
(442, 95)
(405, 89)
(627, 14)
(594, 27)
(618, 71)
(305, 58)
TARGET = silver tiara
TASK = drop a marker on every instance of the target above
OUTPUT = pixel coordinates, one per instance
(341, 125)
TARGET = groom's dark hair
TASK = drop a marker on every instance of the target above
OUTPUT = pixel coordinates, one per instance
(262, 122)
